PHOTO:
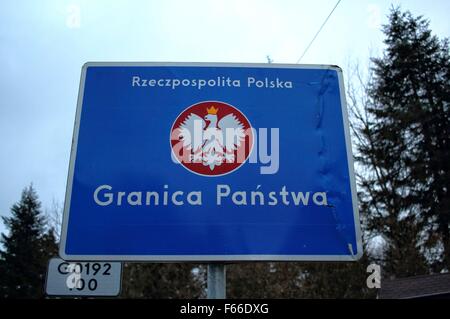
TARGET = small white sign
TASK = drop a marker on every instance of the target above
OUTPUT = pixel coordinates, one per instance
(85, 278)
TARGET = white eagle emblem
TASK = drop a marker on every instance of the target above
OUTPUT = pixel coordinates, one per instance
(210, 140)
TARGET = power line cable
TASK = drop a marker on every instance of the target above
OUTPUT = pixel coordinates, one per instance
(320, 29)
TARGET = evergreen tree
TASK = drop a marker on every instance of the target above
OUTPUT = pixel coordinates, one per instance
(299, 280)
(403, 145)
(162, 281)
(337, 280)
(263, 280)
(27, 249)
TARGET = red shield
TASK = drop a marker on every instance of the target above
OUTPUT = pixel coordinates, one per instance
(211, 138)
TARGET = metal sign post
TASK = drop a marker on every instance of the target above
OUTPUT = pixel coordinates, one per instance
(216, 281)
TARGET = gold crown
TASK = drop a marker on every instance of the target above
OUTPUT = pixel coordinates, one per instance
(212, 110)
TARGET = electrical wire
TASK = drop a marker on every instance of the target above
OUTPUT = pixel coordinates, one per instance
(320, 29)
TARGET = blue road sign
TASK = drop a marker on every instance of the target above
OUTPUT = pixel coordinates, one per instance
(211, 162)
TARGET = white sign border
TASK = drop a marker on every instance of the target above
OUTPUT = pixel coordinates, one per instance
(207, 258)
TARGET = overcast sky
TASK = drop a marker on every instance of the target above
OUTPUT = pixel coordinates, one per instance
(43, 45)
